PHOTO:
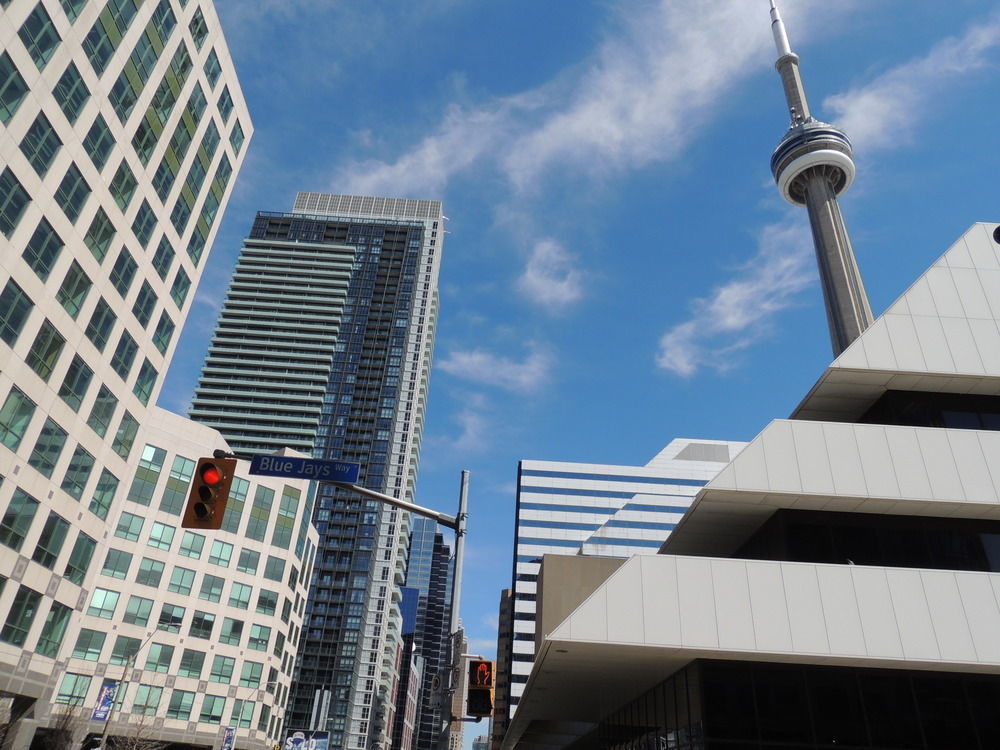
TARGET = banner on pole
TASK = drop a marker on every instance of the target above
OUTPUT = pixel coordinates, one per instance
(105, 700)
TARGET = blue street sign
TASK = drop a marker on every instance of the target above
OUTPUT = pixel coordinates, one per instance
(305, 468)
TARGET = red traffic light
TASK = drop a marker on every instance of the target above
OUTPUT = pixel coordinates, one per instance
(210, 474)
(206, 503)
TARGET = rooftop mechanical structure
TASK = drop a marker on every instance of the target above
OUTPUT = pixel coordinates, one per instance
(812, 165)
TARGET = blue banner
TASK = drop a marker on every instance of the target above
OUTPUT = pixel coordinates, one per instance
(229, 739)
(306, 740)
(105, 700)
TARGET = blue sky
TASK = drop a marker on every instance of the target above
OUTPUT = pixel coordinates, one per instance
(620, 269)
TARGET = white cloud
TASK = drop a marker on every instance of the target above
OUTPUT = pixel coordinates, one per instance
(474, 431)
(550, 278)
(739, 312)
(885, 112)
(486, 368)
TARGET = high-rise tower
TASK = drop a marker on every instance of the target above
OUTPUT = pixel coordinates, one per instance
(812, 165)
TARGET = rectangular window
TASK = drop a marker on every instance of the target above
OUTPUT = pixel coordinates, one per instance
(164, 332)
(123, 272)
(242, 715)
(248, 562)
(171, 618)
(212, 706)
(267, 602)
(100, 234)
(103, 603)
(181, 581)
(123, 186)
(145, 303)
(51, 541)
(178, 482)
(137, 610)
(250, 676)
(13, 200)
(73, 689)
(221, 554)
(159, 658)
(147, 475)
(192, 544)
(145, 381)
(46, 452)
(260, 637)
(150, 572)
(211, 588)
(232, 632)
(72, 8)
(125, 649)
(260, 512)
(239, 595)
(104, 493)
(234, 508)
(43, 249)
(192, 662)
(222, 669)
(79, 559)
(147, 699)
(161, 536)
(124, 356)
(116, 564)
(100, 325)
(74, 289)
(14, 309)
(89, 645)
(71, 93)
(181, 702)
(74, 386)
(129, 527)
(285, 522)
(98, 142)
(15, 416)
(12, 88)
(40, 144)
(81, 464)
(39, 36)
(53, 630)
(201, 625)
(275, 569)
(125, 437)
(45, 350)
(72, 193)
(21, 616)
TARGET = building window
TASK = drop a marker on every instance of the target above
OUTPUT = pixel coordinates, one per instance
(104, 493)
(101, 322)
(137, 611)
(21, 616)
(72, 193)
(51, 540)
(73, 689)
(198, 28)
(147, 699)
(171, 618)
(179, 289)
(181, 702)
(75, 384)
(239, 595)
(13, 200)
(100, 234)
(192, 545)
(201, 626)
(236, 138)
(212, 69)
(260, 512)
(150, 572)
(222, 669)
(242, 714)
(232, 632)
(125, 650)
(15, 416)
(147, 475)
(99, 142)
(123, 186)
(275, 569)
(74, 289)
(211, 587)
(225, 104)
(145, 381)
(144, 223)
(12, 88)
(129, 526)
(164, 333)
(71, 93)
(116, 564)
(14, 310)
(192, 663)
(249, 559)
(43, 249)
(234, 508)
(79, 559)
(163, 258)
(181, 581)
(125, 437)
(260, 637)
(123, 272)
(221, 554)
(103, 603)
(53, 630)
(17, 519)
(81, 463)
(72, 8)
(39, 36)
(267, 602)
(161, 536)
(46, 452)
(160, 656)
(40, 144)
(250, 676)
(89, 645)
(145, 303)
(124, 356)
(178, 481)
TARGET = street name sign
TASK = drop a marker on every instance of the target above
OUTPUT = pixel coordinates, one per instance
(305, 468)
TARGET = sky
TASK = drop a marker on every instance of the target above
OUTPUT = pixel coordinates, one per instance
(619, 268)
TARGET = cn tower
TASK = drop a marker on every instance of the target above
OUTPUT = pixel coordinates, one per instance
(812, 165)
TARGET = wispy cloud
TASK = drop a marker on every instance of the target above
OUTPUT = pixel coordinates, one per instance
(551, 278)
(884, 113)
(741, 311)
(487, 368)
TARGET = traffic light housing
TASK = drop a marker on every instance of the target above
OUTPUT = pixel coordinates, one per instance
(480, 692)
(206, 503)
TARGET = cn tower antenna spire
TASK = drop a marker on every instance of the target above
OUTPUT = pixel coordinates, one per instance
(813, 164)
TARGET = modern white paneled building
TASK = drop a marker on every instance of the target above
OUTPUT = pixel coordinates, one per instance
(837, 584)
(122, 127)
(596, 510)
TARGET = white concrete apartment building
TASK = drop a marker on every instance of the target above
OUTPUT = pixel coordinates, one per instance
(122, 128)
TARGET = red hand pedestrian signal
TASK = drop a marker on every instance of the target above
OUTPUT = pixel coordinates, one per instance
(480, 698)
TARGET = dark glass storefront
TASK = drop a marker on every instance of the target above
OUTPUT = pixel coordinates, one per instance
(729, 705)
(922, 409)
(868, 539)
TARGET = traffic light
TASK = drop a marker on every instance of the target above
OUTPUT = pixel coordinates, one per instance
(206, 503)
(480, 699)
(92, 741)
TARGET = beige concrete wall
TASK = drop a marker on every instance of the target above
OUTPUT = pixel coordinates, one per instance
(564, 582)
